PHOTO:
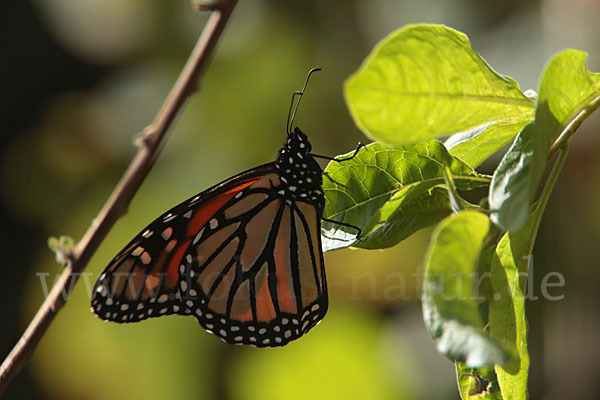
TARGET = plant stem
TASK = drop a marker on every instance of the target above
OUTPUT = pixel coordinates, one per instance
(116, 205)
(456, 202)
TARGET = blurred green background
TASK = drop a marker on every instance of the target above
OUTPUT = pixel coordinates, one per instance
(80, 77)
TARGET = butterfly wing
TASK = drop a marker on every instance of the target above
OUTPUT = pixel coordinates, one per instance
(242, 257)
(142, 280)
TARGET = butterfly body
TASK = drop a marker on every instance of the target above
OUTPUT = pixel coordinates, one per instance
(243, 257)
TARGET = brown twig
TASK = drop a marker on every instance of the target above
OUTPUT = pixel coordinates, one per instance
(116, 206)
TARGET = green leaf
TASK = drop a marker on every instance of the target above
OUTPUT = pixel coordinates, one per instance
(481, 383)
(450, 311)
(477, 383)
(515, 181)
(399, 218)
(507, 320)
(477, 145)
(566, 90)
(389, 193)
(426, 81)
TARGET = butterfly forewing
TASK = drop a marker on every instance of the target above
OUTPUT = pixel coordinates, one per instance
(142, 281)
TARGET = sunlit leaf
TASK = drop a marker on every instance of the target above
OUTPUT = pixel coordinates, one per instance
(477, 145)
(389, 193)
(449, 307)
(426, 81)
(566, 90)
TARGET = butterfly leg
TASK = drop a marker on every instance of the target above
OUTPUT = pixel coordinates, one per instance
(358, 147)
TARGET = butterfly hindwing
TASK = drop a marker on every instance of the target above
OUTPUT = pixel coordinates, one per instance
(254, 274)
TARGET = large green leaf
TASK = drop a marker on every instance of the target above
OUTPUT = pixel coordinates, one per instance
(507, 320)
(389, 192)
(450, 309)
(567, 93)
(426, 81)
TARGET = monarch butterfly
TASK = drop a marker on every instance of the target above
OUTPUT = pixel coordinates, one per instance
(243, 257)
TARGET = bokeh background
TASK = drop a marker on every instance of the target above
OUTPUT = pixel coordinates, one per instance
(79, 78)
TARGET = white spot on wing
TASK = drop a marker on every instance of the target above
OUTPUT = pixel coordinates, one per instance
(198, 236)
(169, 217)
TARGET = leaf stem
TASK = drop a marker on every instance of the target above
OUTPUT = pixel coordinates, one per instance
(575, 122)
(548, 187)
(116, 206)
(456, 202)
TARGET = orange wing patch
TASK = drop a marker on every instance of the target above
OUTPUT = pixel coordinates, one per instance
(283, 265)
(265, 310)
(308, 264)
(209, 209)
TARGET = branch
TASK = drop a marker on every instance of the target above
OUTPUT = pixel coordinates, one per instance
(148, 148)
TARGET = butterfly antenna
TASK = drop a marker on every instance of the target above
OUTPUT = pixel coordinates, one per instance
(299, 93)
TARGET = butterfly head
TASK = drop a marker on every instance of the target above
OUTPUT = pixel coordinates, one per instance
(298, 142)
